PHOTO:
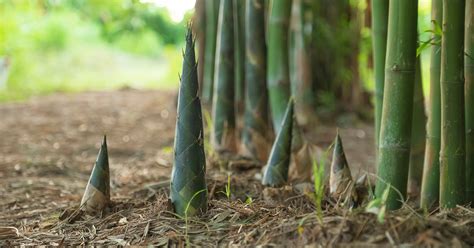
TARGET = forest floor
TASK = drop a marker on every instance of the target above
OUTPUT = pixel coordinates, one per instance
(49, 144)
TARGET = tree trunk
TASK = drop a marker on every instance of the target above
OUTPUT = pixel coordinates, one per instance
(469, 76)
(223, 106)
(379, 40)
(395, 132)
(430, 183)
(257, 132)
(453, 145)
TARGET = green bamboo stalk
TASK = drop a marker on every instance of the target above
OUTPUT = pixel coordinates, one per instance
(395, 133)
(97, 194)
(278, 74)
(453, 140)
(430, 182)
(223, 106)
(239, 28)
(469, 77)
(199, 28)
(301, 161)
(188, 190)
(212, 12)
(302, 78)
(379, 41)
(276, 171)
(418, 137)
(257, 132)
(340, 176)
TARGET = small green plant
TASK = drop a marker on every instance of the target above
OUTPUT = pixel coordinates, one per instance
(227, 191)
(318, 175)
(190, 201)
(186, 214)
(249, 200)
(378, 206)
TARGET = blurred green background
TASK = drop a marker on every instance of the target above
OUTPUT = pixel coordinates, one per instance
(75, 45)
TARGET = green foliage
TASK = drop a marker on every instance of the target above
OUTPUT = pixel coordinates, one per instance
(52, 33)
(62, 46)
(129, 16)
(434, 40)
(144, 43)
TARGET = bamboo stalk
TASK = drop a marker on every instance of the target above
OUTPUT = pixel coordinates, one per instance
(453, 140)
(239, 34)
(199, 28)
(278, 54)
(223, 105)
(257, 131)
(395, 133)
(430, 183)
(302, 78)
(469, 77)
(418, 137)
(212, 13)
(379, 40)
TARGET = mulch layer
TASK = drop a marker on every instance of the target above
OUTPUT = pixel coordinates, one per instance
(48, 146)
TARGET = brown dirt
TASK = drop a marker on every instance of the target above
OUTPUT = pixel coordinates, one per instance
(48, 146)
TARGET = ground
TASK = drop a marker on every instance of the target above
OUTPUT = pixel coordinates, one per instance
(48, 146)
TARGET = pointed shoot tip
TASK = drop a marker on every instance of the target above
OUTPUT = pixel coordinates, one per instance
(104, 140)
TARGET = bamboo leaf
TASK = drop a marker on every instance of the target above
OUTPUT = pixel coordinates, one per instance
(424, 45)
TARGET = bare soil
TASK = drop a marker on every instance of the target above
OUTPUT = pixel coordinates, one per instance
(48, 146)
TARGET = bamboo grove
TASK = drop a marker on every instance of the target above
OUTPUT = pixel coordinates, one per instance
(266, 68)
(446, 175)
(421, 150)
